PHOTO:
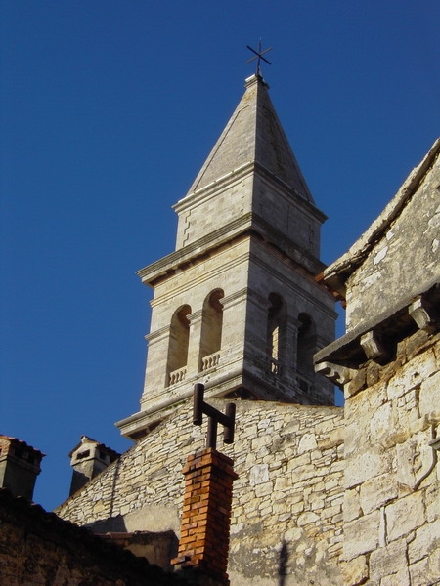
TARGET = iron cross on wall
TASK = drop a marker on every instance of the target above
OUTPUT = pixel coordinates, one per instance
(214, 418)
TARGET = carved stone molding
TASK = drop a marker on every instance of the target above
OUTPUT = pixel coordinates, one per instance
(425, 314)
(373, 346)
(338, 374)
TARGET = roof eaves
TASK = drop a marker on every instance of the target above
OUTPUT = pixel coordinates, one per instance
(337, 273)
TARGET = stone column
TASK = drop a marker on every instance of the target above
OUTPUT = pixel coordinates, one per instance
(234, 312)
(206, 517)
(193, 364)
(292, 325)
(156, 370)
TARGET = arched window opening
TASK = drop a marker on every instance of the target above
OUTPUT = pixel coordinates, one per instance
(276, 332)
(306, 345)
(211, 330)
(178, 345)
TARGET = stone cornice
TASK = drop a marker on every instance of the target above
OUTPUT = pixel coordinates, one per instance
(199, 250)
(195, 251)
(248, 169)
(211, 190)
(377, 340)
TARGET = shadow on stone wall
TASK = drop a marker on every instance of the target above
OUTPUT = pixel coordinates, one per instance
(282, 565)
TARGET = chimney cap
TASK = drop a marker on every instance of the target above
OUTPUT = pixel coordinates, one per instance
(6, 441)
(99, 445)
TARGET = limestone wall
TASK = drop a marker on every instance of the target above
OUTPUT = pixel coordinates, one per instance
(287, 505)
(391, 509)
(298, 223)
(405, 259)
(213, 209)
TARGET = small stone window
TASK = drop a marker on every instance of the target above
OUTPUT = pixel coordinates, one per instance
(83, 454)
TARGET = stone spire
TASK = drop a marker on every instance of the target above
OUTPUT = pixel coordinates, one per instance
(253, 135)
(236, 305)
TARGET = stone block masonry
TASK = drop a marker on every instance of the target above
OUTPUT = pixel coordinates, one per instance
(206, 514)
(287, 501)
(391, 509)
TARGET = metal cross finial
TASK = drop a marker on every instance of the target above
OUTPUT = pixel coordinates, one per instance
(214, 418)
(259, 56)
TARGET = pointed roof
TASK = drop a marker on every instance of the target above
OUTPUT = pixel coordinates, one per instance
(253, 135)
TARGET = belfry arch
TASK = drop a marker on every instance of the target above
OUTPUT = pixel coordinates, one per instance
(211, 330)
(177, 358)
(276, 333)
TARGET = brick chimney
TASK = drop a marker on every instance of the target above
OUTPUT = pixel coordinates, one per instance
(206, 517)
(19, 466)
(88, 459)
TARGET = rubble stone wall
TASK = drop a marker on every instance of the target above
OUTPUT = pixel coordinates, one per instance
(287, 501)
(38, 548)
(392, 479)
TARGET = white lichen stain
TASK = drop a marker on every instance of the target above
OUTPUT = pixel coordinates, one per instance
(370, 280)
(435, 245)
(380, 255)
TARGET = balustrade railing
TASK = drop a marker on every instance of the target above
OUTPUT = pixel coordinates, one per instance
(177, 376)
(210, 361)
(275, 366)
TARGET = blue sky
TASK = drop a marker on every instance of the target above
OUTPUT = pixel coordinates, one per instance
(108, 110)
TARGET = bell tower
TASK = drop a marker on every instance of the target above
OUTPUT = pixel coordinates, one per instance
(236, 306)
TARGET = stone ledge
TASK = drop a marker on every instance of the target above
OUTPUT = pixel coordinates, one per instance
(377, 339)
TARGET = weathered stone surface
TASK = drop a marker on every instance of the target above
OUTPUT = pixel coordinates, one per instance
(427, 571)
(377, 492)
(409, 218)
(352, 505)
(361, 536)
(400, 578)
(365, 466)
(356, 571)
(428, 398)
(391, 473)
(293, 495)
(307, 443)
(397, 500)
(259, 474)
(426, 541)
(405, 515)
(414, 458)
(388, 560)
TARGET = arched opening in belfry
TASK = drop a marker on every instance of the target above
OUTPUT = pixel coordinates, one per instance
(306, 345)
(276, 332)
(211, 330)
(178, 345)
